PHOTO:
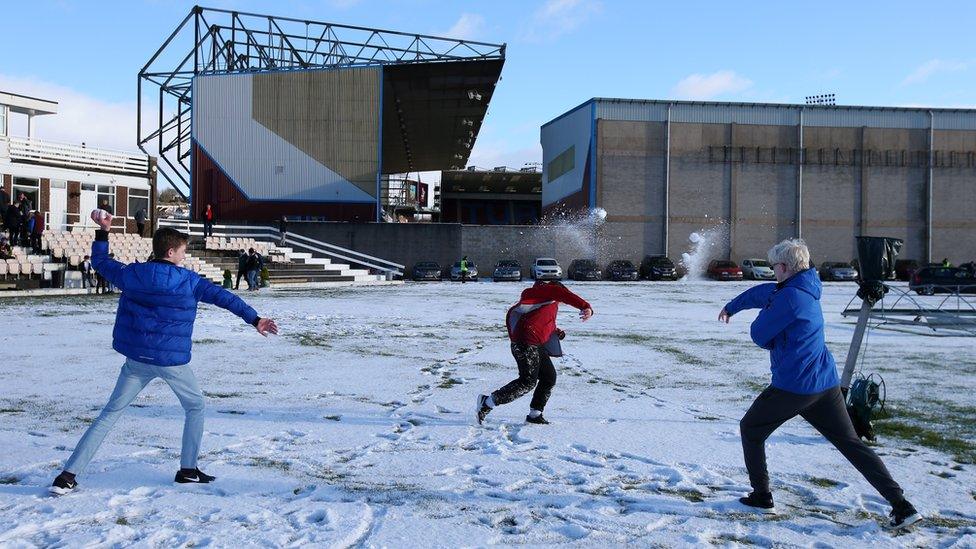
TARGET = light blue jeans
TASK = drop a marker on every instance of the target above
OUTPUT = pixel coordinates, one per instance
(133, 379)
(252, 279)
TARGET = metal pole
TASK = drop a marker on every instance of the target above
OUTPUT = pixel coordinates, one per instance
(855, 349)
(667, 179)
(928, 190)
(799, 181)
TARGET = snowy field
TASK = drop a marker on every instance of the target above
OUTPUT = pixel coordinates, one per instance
(353, 428)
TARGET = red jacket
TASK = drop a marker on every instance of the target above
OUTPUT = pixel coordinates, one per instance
(532, 320)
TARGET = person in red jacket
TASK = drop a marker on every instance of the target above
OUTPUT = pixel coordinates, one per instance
(532, 328)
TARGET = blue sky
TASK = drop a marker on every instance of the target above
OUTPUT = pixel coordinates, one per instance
(560, 53)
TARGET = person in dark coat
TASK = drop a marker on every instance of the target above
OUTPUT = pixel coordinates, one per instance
(36, 231)
(209, 218)
(254, 264)
(153, 329)
(804, 382)
(13, 222)
(241, 268)
(141, 217)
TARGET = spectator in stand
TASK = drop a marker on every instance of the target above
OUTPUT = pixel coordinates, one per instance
(209, 217)
(107, 207)
(25, 217)
(4, 204)
(241, 268)
(141, 221)
(12, 222)
(25, 205)
(86, 272)
(29, 228)
(283, 229)
(36, 232)
(5, 251)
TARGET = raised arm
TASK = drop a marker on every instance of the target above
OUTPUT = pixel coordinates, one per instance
(564, 295)
(101, 262)
(754, 298)
(208, 292)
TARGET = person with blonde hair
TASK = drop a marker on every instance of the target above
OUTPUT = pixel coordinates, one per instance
(804, 382)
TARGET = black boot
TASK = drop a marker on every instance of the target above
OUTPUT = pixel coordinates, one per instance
(760, 502)
(63, 484)
(184, 476)
(482, 409)
(538, 420)
(903, 515)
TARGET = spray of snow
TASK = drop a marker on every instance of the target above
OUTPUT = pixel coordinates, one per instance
(577, 232)
(705, 245)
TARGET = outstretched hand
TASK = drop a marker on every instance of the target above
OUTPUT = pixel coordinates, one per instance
(585, 314)
(102, 218)
(724, 316)
(267, 326)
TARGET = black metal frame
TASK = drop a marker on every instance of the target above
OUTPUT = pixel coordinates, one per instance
(227, 41)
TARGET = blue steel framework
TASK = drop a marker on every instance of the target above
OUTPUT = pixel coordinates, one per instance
(225, 41)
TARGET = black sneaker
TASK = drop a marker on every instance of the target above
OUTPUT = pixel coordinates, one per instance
(184, 476)
(63, 484)
(538, 420)
(760, 502)
(482, 409)
(903, 515)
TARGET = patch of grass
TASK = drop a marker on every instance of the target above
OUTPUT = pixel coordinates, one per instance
(311, 339)
(823, 482)
(708, 418)
(232, 412)
(723, 539)
(122, 521)
(261, 461)
(206, 341)
(9, 479)
(215, 394)
(333, 417)
(690, 495)
(11, 410)
(449, 382)
(963, 451)
(85, 420)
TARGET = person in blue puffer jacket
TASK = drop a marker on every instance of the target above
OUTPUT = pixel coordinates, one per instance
(804, 382)
(153, 329)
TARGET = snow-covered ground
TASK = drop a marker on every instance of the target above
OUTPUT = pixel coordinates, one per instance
(353, 428)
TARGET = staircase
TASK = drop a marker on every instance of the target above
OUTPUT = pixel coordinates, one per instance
(299, 268)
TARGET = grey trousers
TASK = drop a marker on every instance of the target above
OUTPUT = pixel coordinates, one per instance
(827, 412)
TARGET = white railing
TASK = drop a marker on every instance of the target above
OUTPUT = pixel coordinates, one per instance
(73, 220)
(388, 268)
(73, 156)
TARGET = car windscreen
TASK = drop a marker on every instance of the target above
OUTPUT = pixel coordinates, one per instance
(759, 263)
(585, 263)
(428, 265)
(508, 264)
(724, 265)
(838, 266)
(547, 262)
(661, 262)
(621, 264)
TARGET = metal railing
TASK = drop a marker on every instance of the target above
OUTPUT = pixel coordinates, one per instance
(84, 222)
(388, 268)
(74, 156)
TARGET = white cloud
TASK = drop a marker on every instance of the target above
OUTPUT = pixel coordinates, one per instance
(558, 17)
(709, 86)
(927, 69)
(468, 27)
(80, 118)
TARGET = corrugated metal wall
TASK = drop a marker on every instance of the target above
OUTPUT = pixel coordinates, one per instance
(574, 129)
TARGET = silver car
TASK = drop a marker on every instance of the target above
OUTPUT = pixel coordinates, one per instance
(837, 271)
(757, 269)
(546, 268)
(456, 271)
(507, 269)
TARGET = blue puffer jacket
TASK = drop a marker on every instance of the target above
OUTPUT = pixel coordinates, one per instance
(791, 327)
(154, 322)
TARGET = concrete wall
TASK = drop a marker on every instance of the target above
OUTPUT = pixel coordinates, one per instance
(856, 181)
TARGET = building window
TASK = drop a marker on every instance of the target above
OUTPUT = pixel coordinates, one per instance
(3, 120)
(138, 199)
(106, 193)
(59, 184)
(563, 163)
(30, 188)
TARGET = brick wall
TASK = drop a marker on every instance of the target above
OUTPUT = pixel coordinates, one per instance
(44, 201)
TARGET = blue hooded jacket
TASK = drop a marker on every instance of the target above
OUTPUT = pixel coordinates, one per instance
(154, 321)
(791, 327)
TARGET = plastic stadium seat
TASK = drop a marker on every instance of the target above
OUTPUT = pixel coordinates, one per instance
(74, 260)
(3, 269)
(13, 268)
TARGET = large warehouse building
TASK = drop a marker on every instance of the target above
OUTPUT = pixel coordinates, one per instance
(666, 169)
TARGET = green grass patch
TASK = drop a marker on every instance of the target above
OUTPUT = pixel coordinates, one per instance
(9, 479)
(207, 341)
(449, 382)
(216, 394)
(122, 521)
(11, 410)
(823, 482)
(311, 339)
(270, 463)
(333, 417)
(963, 451)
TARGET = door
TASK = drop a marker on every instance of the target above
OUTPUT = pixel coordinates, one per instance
(87, 203)
(58, 211)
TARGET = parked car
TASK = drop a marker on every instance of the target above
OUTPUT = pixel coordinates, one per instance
(720, 269)
(507, 269)
(943, 280)
(426, 270)
(835, 271)
(584, 269)
(657, 267)
(546, 268)
(622, 269)
(757, 269)
(905, 268)
(472, 271)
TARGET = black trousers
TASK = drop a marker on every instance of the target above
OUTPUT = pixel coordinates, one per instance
(141, 228)
(240, 273)
(535, 370)
(207, 228)
(827, 412)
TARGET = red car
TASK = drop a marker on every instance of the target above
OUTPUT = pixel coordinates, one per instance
(719, 269)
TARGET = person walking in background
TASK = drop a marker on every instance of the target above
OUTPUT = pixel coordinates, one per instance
(804, 382)
(254, 263)
(534, 339)
(153, 328)
(141, 217)
(209, 217)
(86, 272)
(242, 259)
(283, 229)
(464, 269)
(36, 231)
